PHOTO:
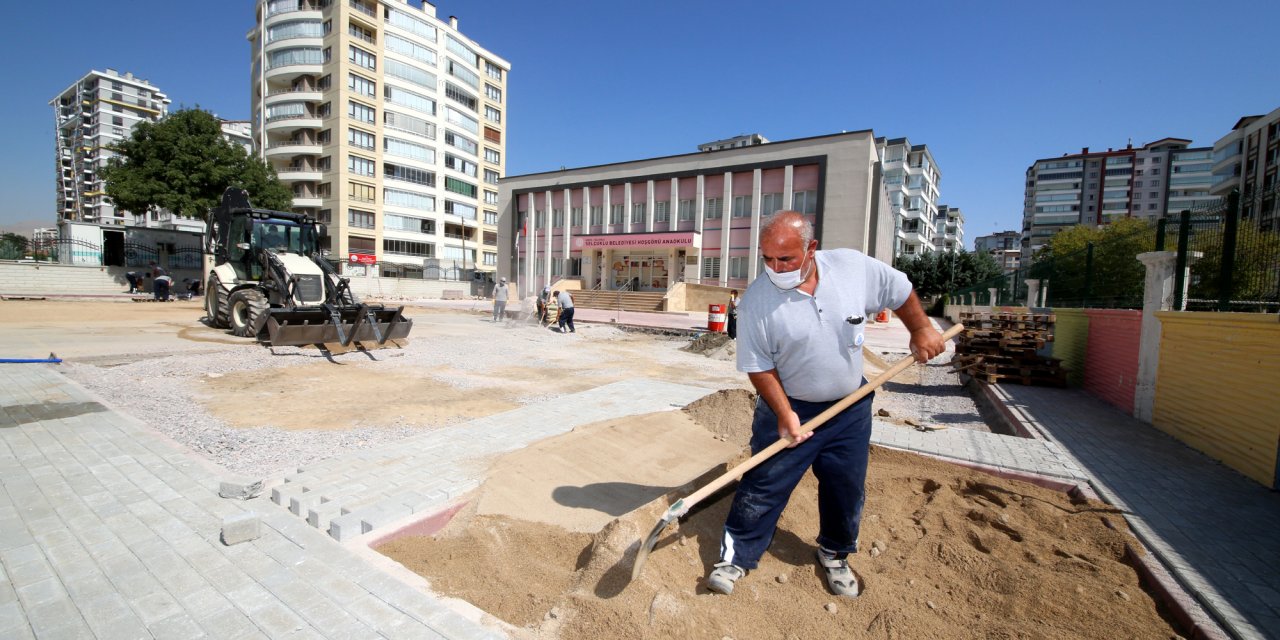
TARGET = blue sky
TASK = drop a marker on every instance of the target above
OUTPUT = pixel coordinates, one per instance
(989, 86)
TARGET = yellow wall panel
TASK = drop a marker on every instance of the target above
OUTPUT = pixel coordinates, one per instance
(1070, 337)
(1218, 387)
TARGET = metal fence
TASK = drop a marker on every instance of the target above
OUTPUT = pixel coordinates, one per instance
(83, 252)
(1225, 262)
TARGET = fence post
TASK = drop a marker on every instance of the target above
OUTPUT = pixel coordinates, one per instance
(1161, 225)
(1180, 273)
(1033, 293)
(1156, 296)
(1228, 263)
(1088, 275)
(994, 293)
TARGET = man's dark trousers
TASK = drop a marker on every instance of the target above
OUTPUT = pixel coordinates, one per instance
(838, 453)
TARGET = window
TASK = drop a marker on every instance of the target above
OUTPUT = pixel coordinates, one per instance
(412, 74)
(1153, 194)
(361, 112)
(415, 101)
(458, 186)
(408, 248)
(805, 201)
(492, 156)
(711, 268)
(713, 210)
(463, 52)
(323, 137)
(362, 85)
(360, 192)
(491, 217)
(1151, 207)
(490, 259)
(1155, 183)
(460, 96)
(406, 149)
(410, 24)
(492, 115)
(295, 55)
(1155, 172)
(1137, 183)
(742, 206)
(685, 210)
(323, 163)
(492, 135)
(409, 124)
(362, 139)
(410, 49)
(324, 83)
(491, 176)
(409, 199)
(462, 73)
(458, 209)
(492, 70)
(323, 110)
(575, 216)
(360, 219)
(459, 142)
(662, 211)
(361, 57)
(540, 219)
(455, 117)
(616, 212)
(637, 212)
(769, 203)
(408, 174)
(360, 166)
(557, 218)
(490, 197)
(597, 215)
(738, 267)
(407, 223)
(493, 93)
(460, 165)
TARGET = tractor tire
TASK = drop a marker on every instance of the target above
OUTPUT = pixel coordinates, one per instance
(247, 307)
(215, 303)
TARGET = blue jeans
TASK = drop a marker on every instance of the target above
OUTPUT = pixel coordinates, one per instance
(837, 451)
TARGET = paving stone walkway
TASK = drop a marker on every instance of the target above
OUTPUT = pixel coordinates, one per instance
(108, 530)
(366, 491)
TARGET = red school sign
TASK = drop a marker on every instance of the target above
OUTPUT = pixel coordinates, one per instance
(673, 239)
(361, 258)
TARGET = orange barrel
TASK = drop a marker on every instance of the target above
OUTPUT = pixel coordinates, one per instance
(884, 316)
(715, 317)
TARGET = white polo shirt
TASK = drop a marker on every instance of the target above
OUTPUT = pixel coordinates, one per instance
(809, 339)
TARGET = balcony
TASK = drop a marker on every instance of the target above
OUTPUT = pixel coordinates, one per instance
(307, 202)
(286, 11)
(289, 148)
(294, 70)
(362, 8)
(293, 122)
(299, 172)
(308, 94)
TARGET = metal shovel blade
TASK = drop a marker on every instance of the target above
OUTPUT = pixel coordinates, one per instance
(673, 513)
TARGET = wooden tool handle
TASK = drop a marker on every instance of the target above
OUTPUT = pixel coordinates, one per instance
(808, 427)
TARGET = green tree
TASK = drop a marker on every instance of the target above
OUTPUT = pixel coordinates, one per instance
(1255, 276)
(13, 246)
(183, 164)
(938, 272)
(1113, 278)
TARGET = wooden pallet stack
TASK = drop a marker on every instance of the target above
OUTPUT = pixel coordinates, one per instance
(1001, 347)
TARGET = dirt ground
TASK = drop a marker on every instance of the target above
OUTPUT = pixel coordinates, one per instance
(946, 553)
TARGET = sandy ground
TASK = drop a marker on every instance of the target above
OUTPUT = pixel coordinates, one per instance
(946, 553)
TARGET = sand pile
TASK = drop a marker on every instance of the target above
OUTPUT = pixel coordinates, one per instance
(726, 413)
(716, 346)
(946, 553)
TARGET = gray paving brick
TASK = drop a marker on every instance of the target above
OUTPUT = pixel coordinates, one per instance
(177, 626)
(57, 619)
(230, 623)
(13, 624)
(277, 620)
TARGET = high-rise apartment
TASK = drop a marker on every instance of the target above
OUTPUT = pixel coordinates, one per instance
(997, 241)
(97, 110)
(911, 183)
(948, 229)
(388, 124)
(1096, 188)
(1247, 160)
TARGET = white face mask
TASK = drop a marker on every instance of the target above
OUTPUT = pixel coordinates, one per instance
(787, 280)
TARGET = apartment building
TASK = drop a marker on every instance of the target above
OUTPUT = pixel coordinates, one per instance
(389, 125)
(1096, 188)
(97, 110)
(948, 229)
(1246, 160)
(647, 224)
(1002, 240)
(911, 183)
(239, 133)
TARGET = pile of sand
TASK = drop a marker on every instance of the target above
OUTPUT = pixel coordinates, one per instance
(726, 413)
(716, 346)
(947, 552)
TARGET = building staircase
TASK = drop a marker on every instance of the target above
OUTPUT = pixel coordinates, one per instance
(618, 300)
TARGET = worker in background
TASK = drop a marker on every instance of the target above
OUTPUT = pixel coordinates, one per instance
(732, 327)
(543, 298)
(500, 295)
(800, 343)
(564, 300)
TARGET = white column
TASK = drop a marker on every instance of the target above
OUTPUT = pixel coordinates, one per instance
(530, 256)
(546, 220)
(700, 204)
(788, 187)
(568, 231)
(753, 255)
(1044, 293)
(726, 215)
(994, 291)
(589, 266)
(1157, 295)
(673, 206)
(607, 193)
(1033, 292)
(626, 207)
(649, 207)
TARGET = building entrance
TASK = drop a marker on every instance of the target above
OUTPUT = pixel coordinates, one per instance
(641, 271)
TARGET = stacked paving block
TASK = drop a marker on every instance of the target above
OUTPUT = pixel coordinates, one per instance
(1003, 347)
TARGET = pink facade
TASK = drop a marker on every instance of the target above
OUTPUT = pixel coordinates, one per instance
(772, 181)
(743, 183)
(805, 178)
(1111, 356)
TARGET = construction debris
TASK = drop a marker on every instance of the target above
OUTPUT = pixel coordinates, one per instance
(998, 347)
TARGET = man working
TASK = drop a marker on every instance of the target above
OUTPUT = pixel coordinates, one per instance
(500, 294)
(800, 335)
(565, 301)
